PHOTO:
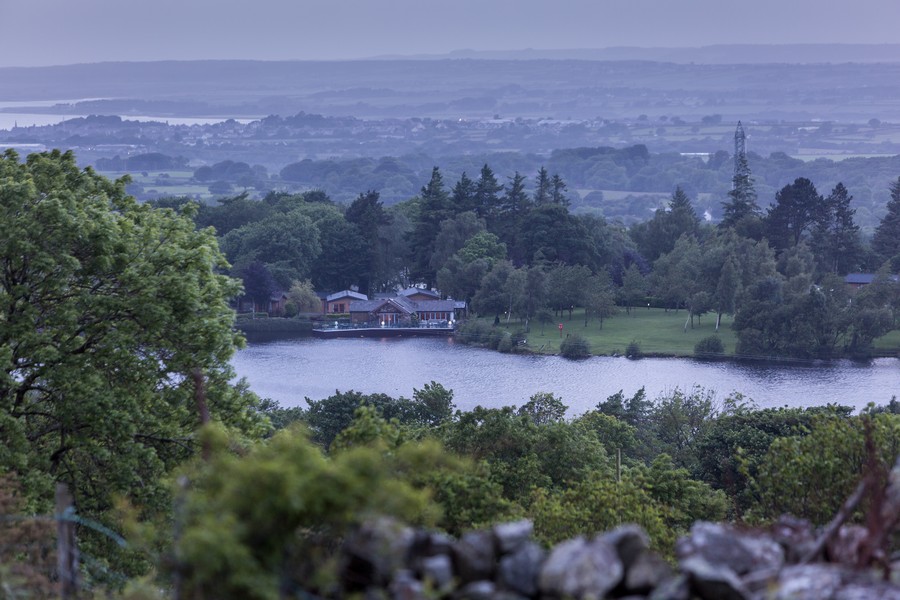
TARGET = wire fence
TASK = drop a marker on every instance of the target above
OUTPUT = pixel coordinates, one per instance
(40, 556)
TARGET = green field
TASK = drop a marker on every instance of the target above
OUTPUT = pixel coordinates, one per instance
(656, 331)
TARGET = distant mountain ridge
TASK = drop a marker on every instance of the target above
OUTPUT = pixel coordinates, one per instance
(713, 54)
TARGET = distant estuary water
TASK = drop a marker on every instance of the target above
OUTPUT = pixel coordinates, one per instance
(289, 370)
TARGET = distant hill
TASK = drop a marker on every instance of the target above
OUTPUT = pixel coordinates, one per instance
(712, 55)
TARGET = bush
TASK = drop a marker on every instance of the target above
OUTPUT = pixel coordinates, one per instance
(711, 345)
(575, 346)
(495, 336)
(473, 333)
(633, 350)
(506, 342)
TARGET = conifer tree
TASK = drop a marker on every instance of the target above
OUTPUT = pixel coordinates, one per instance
(741, 204)
(434, 207)
(886, 241)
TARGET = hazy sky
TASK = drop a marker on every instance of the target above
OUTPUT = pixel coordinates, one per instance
(46, 32)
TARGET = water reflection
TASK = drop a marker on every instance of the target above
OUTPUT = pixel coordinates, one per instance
(288, 370)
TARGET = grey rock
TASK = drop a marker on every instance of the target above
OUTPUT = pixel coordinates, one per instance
(373, 552)
(676, 588)
(647, 571)
(580, 569)
(406, 587)
(476, 590)
(438, 570)
(629, 542)
(711, 582)
(845, 547)
(796, 537)
(473, 556)
(519, 571)
(859, 591)
(722, 545)
(430, 544)
(807, 582)
(510, 536)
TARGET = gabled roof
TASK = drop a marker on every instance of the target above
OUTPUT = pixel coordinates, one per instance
(346, 294)
(863, 278)
(414, 290)
(370, 306)
(435, 305)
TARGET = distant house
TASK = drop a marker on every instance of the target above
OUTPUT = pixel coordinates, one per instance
(418, 294)
(339, 302)
(857, 280)
(274, 306)
(400, 310)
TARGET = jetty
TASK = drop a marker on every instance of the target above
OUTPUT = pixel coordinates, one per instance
(376, 331)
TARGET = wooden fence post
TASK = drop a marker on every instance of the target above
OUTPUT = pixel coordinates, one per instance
(66, 546)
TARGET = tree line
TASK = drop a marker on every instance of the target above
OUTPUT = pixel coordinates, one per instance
(115, 380)
(515, 249)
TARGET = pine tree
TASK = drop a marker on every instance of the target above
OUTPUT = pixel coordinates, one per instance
(886, 241)
(835, 239)
(542, 188)
(741, 203)
(434, 207)
(558, 190)
(464, 196)
(797, 209)
(487, 194)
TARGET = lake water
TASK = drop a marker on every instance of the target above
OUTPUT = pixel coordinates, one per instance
(289, 370)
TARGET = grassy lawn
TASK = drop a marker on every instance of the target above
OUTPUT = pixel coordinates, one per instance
(889, 344)
(655, 330)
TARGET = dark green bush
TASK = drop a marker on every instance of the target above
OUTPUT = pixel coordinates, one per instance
(711, 345)
(633, 349)
(575, 346)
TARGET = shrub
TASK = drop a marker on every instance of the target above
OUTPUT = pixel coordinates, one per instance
(575, 346)
(474, 332)
(711, 345)
(506, 342)
(495, 336)
(633, 349)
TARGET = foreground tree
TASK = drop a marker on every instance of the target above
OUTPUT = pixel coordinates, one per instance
(108, 307)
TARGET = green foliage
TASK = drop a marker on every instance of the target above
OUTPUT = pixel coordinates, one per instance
(733, 446)
(633, 349)
(613, 433)
(543, 408)
(326, 418)
(522, 454)
(434, 403)
(885, 241)
(574, 346)
(268, 518)
(595, 504)
(710, 346)
(473, 332)
(108, 307)
(286, 243)
(682, 499)
(281, 417)
(303, 296)
(811, 475)
(680, 420)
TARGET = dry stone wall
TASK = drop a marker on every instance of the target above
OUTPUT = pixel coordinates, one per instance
(384, 559)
